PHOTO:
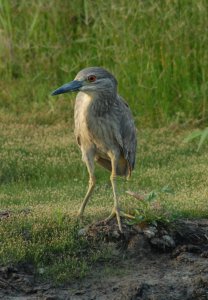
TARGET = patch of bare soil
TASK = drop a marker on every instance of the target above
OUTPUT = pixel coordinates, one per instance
(149, 262)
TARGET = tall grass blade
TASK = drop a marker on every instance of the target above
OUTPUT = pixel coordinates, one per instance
(204, 136)
(33, 24)
(195, 134)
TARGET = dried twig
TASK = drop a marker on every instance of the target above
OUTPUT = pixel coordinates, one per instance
(140, 197)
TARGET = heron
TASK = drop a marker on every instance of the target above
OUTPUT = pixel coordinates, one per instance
(104, 129)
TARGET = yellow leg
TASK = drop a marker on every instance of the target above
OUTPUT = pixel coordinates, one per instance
(90, 167)
(87, 196)
(116, 210)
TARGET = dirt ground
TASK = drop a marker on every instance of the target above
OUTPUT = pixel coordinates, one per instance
(149, 262)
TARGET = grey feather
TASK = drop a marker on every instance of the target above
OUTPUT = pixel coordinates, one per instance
(103, 121)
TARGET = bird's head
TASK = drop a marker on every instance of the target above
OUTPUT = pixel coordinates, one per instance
(90, 80)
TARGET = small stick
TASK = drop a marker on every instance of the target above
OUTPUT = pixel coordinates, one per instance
(136, 195)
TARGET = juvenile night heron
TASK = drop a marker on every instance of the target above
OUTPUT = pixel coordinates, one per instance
(104, 128)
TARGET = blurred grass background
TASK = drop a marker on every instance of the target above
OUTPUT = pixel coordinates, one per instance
(156, 49)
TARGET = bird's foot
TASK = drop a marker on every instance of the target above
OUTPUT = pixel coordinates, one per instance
(80, 218)
(115, 212)
(118, 214)
(112, 215)
(125, 215)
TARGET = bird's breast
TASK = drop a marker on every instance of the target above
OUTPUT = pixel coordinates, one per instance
(92, 129)
(81, 111)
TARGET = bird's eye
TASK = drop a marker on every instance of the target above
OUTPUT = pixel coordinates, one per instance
(91, 78)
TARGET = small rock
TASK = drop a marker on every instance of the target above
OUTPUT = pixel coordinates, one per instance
(150, 232)
(141, 292)
(41, 271)
(115, 234)
(166, 242)
(82, 232)
(204, 254)
(170, 243)
(4, 214)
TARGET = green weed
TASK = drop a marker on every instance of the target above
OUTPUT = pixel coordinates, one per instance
(202, 134)
(149, 208)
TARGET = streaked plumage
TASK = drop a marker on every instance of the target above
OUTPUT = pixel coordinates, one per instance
(104, 127)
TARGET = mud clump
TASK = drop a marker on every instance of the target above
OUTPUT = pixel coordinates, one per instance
(149, 262)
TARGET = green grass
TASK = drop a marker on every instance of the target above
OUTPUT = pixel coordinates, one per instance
(156, 49)
(158, 52)
(43, 182)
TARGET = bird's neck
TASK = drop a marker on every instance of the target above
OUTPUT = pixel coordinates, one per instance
(101, 102)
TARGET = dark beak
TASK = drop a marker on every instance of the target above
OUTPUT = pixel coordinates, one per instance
(74, 85)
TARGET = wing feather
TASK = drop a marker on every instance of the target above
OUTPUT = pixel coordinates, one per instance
(128, 133)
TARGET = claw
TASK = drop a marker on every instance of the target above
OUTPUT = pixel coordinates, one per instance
(115, 212)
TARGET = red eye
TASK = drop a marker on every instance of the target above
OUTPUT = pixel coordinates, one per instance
(91, 78)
